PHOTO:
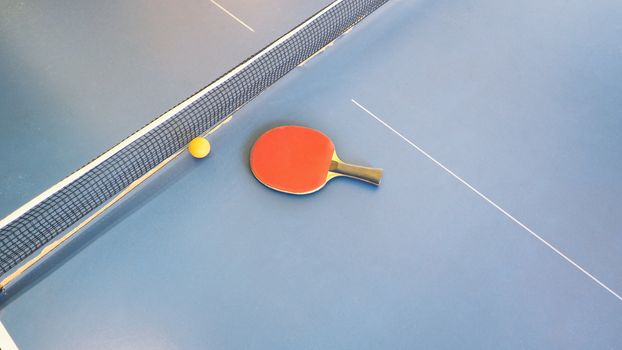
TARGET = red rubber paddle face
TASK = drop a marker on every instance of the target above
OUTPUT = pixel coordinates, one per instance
(292, 159)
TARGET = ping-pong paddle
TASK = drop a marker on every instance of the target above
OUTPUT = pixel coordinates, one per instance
(300, 160)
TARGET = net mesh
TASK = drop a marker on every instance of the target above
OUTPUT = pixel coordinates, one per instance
(64, 208)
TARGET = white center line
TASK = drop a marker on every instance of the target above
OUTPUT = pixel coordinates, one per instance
(232, 16)
(489, 201)
(6, 342)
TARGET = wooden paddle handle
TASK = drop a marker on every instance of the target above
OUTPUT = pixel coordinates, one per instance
(371, 175)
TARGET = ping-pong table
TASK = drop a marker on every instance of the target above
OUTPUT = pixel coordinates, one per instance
(497, 225)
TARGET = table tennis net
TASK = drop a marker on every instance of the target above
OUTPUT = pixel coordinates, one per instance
(50, 216)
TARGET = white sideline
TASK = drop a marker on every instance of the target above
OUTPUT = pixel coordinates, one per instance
(484, 197)
(232, 16)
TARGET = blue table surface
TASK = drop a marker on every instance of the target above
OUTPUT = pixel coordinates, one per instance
(521, 100)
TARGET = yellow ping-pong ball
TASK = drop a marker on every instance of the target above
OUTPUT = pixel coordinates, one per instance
(199, 147)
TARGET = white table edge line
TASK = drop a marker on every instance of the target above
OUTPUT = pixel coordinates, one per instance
(6, 342)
